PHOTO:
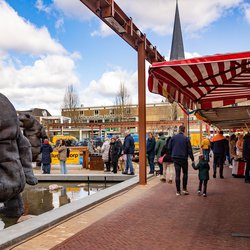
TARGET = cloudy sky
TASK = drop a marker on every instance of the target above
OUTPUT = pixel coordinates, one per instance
(46, 45)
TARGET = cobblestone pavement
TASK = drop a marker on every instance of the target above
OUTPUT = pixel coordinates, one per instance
(158, 219)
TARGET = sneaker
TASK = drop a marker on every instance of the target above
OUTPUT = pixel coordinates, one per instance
(204, 195)
(124, 173)
(178, 193)
(185, 192)
(222, 177)
(199, 192)
(132, 173)
(170, 181)
(163, 179)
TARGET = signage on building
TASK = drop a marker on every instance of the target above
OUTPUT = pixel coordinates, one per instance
(74, 158)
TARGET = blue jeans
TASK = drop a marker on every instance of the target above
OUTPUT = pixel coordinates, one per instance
(63, 167)
(151, 163)
(129, 164)
(46, 168)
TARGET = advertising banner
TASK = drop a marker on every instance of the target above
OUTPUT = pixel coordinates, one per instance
(74, 158)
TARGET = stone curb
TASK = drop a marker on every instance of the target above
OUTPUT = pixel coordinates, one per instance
(28, 228)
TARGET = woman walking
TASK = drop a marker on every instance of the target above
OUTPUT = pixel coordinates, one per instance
(62, 156)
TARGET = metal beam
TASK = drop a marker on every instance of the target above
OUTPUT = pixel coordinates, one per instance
(142, 113)
(111, 14)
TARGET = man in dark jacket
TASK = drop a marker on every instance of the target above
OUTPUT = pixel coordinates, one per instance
(180, 148)
(246, 156)
(151, 152)
(220, 148)
(128, 149)
(46, 149)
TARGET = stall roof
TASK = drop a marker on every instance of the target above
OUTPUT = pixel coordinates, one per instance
(228, 117)
(204, 82)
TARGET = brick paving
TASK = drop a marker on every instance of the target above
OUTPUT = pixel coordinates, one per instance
(158, 219)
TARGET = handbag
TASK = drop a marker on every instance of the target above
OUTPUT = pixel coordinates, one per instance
(160, 160)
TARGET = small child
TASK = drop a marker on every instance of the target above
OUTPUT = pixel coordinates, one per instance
(203, 168)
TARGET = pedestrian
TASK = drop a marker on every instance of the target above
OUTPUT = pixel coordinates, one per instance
(239, 146)
(203, 168)
(62, 156)
(205, 146)
(128, 149)
(180, 148)
(105, 154)
(46, 149)
(113, 155)
(151, 152)
(246, 155)
(158, 148)
(120, 153)
(220, 148)
(232, 148)
(168, 167)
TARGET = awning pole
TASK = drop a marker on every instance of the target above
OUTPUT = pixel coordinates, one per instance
(142, 112)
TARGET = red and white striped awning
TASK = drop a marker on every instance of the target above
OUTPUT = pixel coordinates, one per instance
(204, 82)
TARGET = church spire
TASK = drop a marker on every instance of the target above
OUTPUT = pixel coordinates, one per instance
(177, 48)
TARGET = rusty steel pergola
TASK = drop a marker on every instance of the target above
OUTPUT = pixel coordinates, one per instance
(111, 14)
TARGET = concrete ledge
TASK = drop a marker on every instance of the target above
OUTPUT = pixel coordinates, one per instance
(19, 232)
(83, 177)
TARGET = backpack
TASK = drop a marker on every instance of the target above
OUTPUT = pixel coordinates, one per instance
(68, 152)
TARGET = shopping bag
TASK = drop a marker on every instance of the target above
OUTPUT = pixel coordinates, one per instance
(160, 160)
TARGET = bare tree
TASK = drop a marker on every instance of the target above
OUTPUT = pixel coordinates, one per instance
(71, 102)
(122, 101)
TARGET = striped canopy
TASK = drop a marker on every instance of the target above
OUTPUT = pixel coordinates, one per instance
(204, 82)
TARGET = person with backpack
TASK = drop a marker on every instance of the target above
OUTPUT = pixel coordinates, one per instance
(62, 156)
(168, 167)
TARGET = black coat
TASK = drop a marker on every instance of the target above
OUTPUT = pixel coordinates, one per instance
(203, 168)
(246, 147)
(46, 149)
(151, 147)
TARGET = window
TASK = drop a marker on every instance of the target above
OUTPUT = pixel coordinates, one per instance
(111, 111)
(81, 112)
(96, 112)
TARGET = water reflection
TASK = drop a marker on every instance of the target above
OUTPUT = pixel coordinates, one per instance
(39, 199)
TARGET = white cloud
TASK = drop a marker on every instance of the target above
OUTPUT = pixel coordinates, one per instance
(103, 31)
(22, 36)
(42, 7)
(59, 23)
(41, 84)
(158, 15)
(195, 15)
(103, 91)
(73, 9)
(246, 8)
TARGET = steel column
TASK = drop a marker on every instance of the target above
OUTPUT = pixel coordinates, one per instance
(142, 113)
(185, 123)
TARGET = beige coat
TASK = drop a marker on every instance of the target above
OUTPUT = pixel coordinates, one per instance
(62, 153)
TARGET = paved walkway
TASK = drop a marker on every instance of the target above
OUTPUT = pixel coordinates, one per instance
(153, 217)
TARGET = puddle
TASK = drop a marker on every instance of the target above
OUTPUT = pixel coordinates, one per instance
(39, 199)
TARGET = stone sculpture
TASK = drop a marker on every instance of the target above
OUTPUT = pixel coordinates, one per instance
(15, 161)
(34, 131)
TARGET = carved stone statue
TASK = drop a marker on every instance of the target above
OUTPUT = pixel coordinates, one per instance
(15, 160)
(34, 131)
